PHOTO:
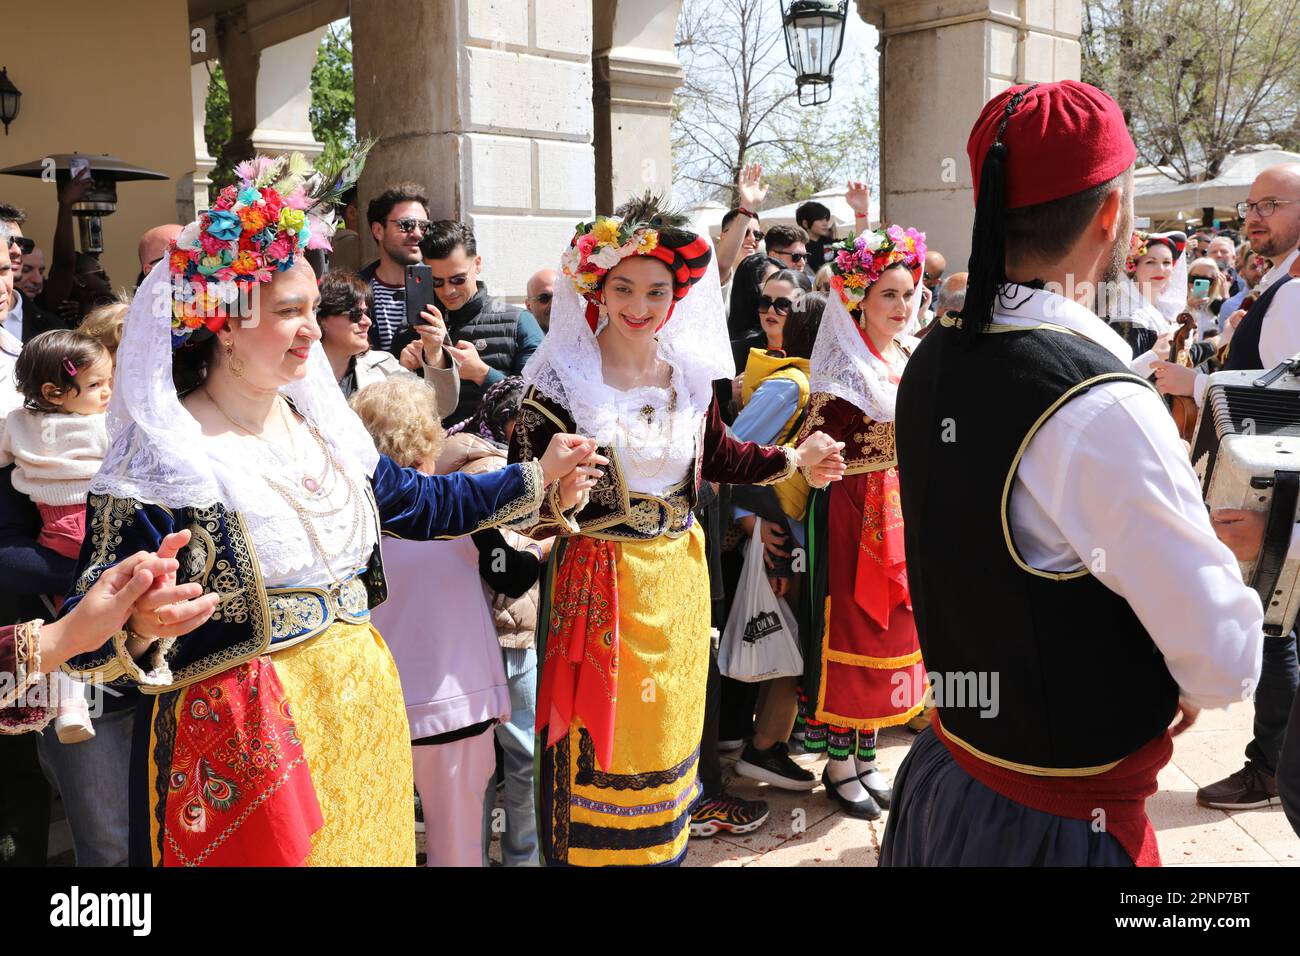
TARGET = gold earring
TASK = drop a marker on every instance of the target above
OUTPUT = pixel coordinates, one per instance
(236, 366)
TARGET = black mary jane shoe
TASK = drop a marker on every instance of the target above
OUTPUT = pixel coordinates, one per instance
(866, 809)
(882, 797)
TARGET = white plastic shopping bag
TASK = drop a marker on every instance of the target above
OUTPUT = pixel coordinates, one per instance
(761, 639)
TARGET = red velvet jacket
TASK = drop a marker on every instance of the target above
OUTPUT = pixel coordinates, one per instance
(16, 720)
(868, 444)
(614, 511)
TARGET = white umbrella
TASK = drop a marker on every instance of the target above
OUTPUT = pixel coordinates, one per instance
(1162, 198)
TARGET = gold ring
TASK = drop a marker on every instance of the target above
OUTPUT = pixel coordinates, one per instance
(158, 614)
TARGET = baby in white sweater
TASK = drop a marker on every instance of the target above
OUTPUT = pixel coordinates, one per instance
(58, 439)
(56, 443)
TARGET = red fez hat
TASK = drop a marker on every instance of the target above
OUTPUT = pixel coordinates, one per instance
(1061, 139)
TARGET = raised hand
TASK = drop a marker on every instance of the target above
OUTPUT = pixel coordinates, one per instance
(750, 187)
(858, 196)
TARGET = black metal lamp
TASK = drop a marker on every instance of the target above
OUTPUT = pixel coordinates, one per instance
(814, 35)
(10, 99)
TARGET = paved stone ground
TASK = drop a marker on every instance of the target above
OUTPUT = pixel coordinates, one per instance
(1188, 835)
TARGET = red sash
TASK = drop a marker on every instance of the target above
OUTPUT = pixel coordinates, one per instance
(240, 790)
(580, 672)
(1121, 792)
(880, 581)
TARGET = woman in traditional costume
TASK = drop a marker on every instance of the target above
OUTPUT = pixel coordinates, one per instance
(637, 339)
(275, 733)
(862, 668)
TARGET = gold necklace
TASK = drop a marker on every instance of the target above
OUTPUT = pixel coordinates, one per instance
(647, 414)
(308, 518)
(305, 517)
(312, 485)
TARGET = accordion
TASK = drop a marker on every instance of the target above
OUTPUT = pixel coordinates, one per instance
(1247, 455)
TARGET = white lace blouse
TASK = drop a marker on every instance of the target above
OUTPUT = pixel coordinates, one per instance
(338, 511)
(655, 436)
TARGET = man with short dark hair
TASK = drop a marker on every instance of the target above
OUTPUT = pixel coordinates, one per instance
(24, 319)
(398, 218)
(815, 219)
(788, 244)
(1052, 521)
(487, 337)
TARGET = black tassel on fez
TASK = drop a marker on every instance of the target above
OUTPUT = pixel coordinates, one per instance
(988, 249)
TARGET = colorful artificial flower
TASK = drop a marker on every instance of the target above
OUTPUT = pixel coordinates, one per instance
(860, 260)
(254, 228)
(601, 245)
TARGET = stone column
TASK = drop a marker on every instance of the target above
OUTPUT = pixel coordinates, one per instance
(635, 73)
(204, 162)
(283, 96)
(491, 110)
(940, 62)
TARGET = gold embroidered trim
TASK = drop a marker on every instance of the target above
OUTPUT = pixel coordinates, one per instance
(877, 663)
(1015, 465)
(1025, 767)
(791, 466)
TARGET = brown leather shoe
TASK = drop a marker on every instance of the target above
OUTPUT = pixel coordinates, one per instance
(1248, 789)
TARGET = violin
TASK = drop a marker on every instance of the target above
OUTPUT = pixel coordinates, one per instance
(1183, 407)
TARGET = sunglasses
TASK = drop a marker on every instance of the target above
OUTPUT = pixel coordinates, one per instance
(781, 306)
(25, 245)
(454, 280)
(757, 234)
(408, 225)
(543, 297)
(796, 256)
(356, 315)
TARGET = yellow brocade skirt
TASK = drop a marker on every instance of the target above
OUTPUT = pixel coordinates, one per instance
(636, 812)
(347, 705)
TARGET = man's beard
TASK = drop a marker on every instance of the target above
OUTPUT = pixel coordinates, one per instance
(1278, 247)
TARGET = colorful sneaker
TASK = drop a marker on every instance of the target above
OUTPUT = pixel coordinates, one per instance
(727, 814)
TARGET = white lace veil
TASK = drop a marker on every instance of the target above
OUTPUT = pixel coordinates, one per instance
(1173, 301)
(844, 366)
(567, 367)
(1130, 306)
(157, 453)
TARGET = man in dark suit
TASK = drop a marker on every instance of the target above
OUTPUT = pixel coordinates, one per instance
(25, 318)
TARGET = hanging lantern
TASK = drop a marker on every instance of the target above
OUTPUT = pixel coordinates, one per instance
(10, 99)
(814, 34)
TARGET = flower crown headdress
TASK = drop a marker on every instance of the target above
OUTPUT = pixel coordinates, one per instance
(1141, 242)
(279, 208)
(643, 228)
(861, 260)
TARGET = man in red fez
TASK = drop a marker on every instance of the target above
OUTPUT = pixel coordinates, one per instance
(1059, 629)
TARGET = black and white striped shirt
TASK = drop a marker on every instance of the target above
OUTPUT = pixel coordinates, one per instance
(388, 310)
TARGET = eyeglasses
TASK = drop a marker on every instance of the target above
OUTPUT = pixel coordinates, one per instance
(408, 225)
(454, 280)
(1265, 207)
(781, 306)
(24, 244)
(544, 298)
